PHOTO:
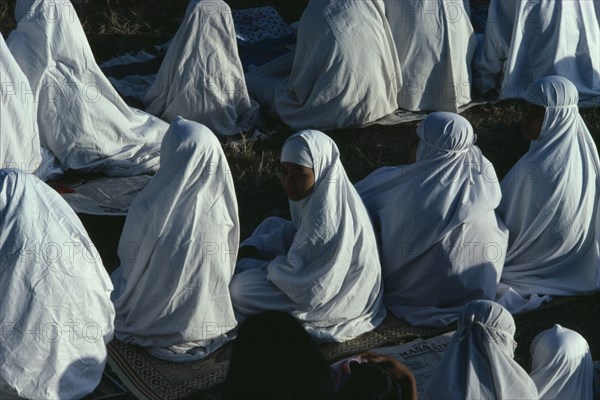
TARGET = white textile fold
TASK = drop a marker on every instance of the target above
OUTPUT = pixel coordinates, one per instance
(201, 77)
(330, 276)
(441, 243)
(178, 250)
(81, 118)
(55, 311)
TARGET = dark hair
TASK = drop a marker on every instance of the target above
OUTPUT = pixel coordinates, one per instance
(274, 357)
(368, 381)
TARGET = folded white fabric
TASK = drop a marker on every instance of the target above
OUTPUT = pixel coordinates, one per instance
(201, 77)
(479, 361)
(435, 43)
(19, 137)
(178, 250)
(55, 311)
(324, 266)
(550, 202)
(561, 365)
(81, 118)
(527, 40)
(441, 244)
(344, 71)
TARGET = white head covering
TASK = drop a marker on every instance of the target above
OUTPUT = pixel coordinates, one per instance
(178, 250)
(201, 77)
(295, 150)
(19, 138)
(562, 366)
(550, 201)
(441, 245)
(332, 269)
(81, 118)
(479, 361)
(55, 311)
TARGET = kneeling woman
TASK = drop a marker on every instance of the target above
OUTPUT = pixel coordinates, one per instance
(171, 291)
(322, 266)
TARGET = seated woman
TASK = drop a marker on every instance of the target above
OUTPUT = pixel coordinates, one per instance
(20, 142)
(55, 311)
(562, 366)
(479, 361)
(178, 251)
(201, 77)
(323, 266)
(550, 202)
(435, 42)
(344, 71)
(274, 358)
(81, 118)
(441, 244)
(527, 40)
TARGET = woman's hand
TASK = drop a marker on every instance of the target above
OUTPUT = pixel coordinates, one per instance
(398, 370)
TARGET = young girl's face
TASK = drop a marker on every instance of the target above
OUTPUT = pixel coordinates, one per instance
(297, 181)
(532, 122)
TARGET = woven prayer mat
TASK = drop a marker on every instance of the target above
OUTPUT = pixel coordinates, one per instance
(149, 378)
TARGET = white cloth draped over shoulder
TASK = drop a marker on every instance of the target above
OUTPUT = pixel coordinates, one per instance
(479, 361)
(441, 243)
(324, 267)
(561, 365)
(527, 40)
(344, 71)
(201, 77)
(435, 42)
(550, 202)
(55, 308)
(19, 137)
(178, 250)
(81, 118)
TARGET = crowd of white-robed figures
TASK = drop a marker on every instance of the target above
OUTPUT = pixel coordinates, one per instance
(419, 240)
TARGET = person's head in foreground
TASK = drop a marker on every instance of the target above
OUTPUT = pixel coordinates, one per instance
(562, 366)
(273, 357)
(551, 107)
(479, 361)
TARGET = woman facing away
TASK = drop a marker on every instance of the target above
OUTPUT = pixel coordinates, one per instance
(323, 266)
(178, 250)
(550, 203)
(441, 243)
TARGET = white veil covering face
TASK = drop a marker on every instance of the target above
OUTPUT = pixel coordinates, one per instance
(201, 77)
(441, 244)
(55, 310)
(178, 250)
(344, 71)
(81, 118)
(19, 138)
(526, 40)
(479, 361)
(435, 42)
(550, 202)
(561, 365)
(330, 276)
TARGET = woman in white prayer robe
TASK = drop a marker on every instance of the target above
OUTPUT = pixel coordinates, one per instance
(55, 310)
(81, 118)
(527, 40)
(435, 42)
(322, 267)
(441, 243)
(344, 71)
(550, 203)
(479, 361)
(178, 251)
(19, 138)
(201, 77)
(562, 366)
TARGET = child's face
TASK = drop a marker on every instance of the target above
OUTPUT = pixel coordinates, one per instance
(297, 181)
(533, 120)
